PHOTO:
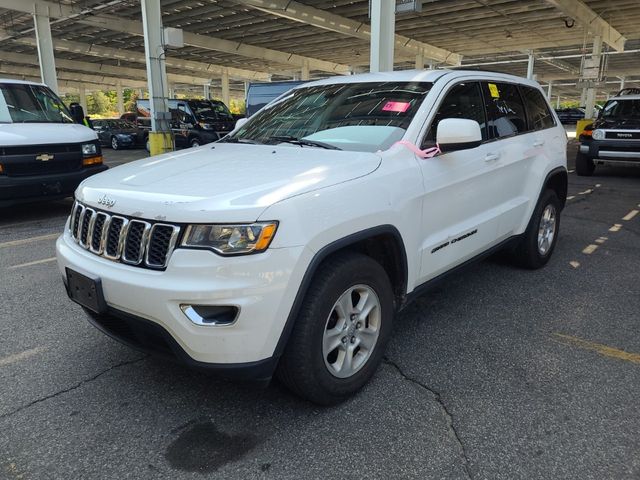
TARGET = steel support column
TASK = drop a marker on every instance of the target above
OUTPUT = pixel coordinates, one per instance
(225, 87)
(82, 92)
(206, 91)
(45, 47)
(530, 64)
(160, 135)
(119, 98)
(549, 87)
(419, 61)
(304, 72)
(383, 17)
(591, 91)
(622, 80)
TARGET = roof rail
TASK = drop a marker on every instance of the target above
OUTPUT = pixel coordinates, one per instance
(628, 91)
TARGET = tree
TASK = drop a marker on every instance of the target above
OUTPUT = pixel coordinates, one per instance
(99, 104)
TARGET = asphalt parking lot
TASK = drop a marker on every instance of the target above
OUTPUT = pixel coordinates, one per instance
(499, 373)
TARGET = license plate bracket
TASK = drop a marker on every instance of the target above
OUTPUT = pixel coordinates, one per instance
(86, 291)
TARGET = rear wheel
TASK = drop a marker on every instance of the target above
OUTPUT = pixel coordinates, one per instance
(539, 240)
(195, 142)
(584, 165)
(115, 144)
(341, 332)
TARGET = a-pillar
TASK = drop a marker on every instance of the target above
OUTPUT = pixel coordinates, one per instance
(45, 46)
(119, 98)
(83, 98)
(160, 140)
(383, 19)
(591, 91)
(530, 64)
(225, 87)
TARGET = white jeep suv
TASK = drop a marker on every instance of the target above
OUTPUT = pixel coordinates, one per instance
(288, 246)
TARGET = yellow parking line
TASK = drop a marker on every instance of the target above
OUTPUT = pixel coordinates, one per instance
(630, 215)
(589, 249)
(24, 241)
(604, 350)
(35, 262)
(616, 227)
(16, 357)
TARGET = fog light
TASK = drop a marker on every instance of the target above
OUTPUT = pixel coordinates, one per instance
(210, 315)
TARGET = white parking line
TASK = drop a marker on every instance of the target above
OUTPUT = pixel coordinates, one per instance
(601, 240)
(589, 249)
(35, 262)
(16, 357)
(616, 227)
(24, 241)
(586, 192)
(630, 215)
(574, 264)
(571, 197)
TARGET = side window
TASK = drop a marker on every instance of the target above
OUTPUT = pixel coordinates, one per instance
(504, 109)
(463, 101)
(538, 114)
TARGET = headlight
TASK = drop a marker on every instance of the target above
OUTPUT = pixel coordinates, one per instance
(598, 134)
(231, 239)
(89, 149)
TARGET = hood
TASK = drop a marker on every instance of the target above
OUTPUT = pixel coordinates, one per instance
(622, 123)
(19, 134)
(221, 182)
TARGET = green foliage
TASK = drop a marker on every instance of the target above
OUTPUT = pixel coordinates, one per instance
(237, 106)
(98, 103)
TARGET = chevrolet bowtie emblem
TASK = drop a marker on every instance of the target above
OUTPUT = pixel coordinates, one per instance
(44, 157)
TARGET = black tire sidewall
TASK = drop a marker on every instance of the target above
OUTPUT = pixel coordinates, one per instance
(309, 330)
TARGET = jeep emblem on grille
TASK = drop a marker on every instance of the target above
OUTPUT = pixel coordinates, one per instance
(44, 157)
(106, 201)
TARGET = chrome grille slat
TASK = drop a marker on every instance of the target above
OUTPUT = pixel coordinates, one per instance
(118, 238)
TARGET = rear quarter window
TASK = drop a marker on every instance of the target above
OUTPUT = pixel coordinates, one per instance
(539, 115)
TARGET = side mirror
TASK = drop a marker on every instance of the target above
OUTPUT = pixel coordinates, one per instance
(240, 122)
(458, 134)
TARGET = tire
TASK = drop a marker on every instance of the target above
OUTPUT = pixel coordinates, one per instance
(147, 145)
(115, 144)
(532, 252)
(584, 165)
(308, 367)
(195, 142)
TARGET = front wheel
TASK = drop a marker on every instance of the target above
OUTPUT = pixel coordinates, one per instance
(540, 238)
(195, 142)
(115, 144)
(341, 332)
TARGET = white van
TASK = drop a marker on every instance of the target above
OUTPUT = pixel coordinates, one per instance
(44, 154)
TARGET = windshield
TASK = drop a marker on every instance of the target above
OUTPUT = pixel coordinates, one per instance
(24, 103)
(621, 109)
(206, 110)
(353, 116)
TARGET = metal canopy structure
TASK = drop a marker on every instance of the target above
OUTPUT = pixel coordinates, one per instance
(98, 44)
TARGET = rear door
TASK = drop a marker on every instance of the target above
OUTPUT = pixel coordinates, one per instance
(507, 129)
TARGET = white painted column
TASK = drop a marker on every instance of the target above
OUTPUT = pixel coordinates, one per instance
(419, 61)
(45, 47)
(119, 98)
(558, 102)
(156, 69)
(225, 87)
(172, 91)
(622, 80)
(530, 65)
(591, 92)
(83, 98)
(304, 72)
(207, 91)
(549, 87)
(383, 19)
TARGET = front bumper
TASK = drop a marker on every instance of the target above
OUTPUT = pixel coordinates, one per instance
(613, 151)
(262, 286)
(37, 187)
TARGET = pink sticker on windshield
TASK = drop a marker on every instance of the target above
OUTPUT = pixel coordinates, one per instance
(400, 107)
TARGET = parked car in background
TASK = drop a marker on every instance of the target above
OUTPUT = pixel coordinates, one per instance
(570, 115)
(261, 93)
(289, 247)
(129, 117)
(118, 134)
(193, 122)
(43, 153)
(614, 138)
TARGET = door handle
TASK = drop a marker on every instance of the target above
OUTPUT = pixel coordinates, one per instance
(538, 143)
(491, 157)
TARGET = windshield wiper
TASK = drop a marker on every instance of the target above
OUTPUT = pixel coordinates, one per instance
(239, 140)
(303, 142)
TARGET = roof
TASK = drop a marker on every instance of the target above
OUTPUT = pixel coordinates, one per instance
(626, 97)
(23, 82)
